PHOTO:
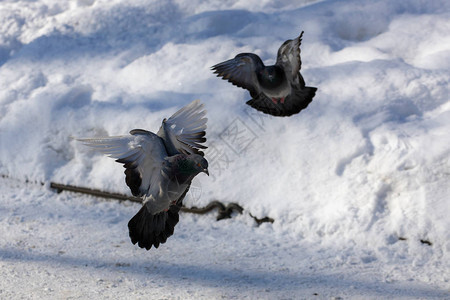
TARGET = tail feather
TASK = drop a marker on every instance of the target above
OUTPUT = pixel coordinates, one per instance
(293, 104)
(149, 230)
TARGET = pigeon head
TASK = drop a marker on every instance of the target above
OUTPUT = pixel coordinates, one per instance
(200, 163)
(193, 164)
(271, 76)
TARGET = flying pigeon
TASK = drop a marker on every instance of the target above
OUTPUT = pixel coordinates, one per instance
(278, 90)
(159, 168)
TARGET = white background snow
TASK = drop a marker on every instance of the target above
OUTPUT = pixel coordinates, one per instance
(354, 182)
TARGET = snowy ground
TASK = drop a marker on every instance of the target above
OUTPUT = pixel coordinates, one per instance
(358, 183)
(77, 247)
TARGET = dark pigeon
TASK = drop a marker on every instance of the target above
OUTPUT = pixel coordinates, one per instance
(278, 90)
(159, 168)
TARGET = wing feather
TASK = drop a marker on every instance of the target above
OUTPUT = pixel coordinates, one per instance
(241, 71)
(289, 57)
(142, 154)
(184, 131)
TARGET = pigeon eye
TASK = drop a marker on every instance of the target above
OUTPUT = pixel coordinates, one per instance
(199, 165)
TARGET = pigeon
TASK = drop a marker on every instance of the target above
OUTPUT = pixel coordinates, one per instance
(159, 168)
(278, 90)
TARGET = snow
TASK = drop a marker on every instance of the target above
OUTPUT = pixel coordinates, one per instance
(354, 183)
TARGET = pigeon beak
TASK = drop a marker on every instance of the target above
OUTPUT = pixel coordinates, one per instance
(206, 171)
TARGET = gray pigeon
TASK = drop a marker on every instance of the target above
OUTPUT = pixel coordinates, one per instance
(278, 90)
(159, 168)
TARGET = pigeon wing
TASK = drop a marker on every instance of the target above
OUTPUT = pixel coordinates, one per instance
(241, 71)
(289, 57)
(142, 154)
(184, 131)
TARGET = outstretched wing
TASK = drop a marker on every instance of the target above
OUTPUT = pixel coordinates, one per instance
(289, 57)
(142, 154)
(241, 71)
(184, 132)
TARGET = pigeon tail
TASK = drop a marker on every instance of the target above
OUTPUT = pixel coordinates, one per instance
(149, 230)
(292, 104)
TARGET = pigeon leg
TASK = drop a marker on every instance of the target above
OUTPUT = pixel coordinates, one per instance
(274, 100)
(282, 100)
